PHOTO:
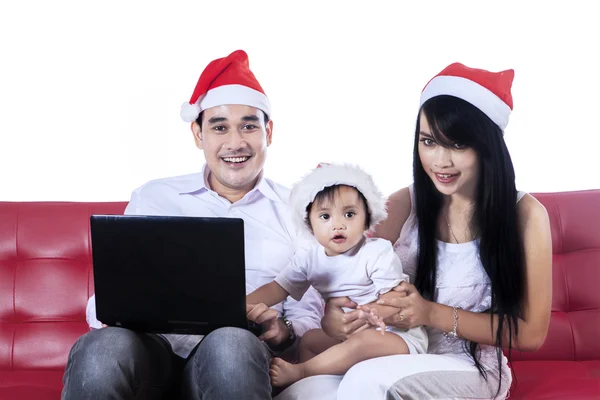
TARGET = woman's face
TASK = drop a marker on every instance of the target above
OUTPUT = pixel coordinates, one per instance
(453, 170)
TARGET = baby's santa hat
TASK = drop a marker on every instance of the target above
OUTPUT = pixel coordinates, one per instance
(488, 91)
(226, 80)
(326, 175)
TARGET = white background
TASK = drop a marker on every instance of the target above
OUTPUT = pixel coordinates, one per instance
(90, 91)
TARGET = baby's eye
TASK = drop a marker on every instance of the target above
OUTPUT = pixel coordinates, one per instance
(350, 214)
(324, 217)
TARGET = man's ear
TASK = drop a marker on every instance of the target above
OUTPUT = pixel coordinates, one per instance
(269, 129)
(197, 132)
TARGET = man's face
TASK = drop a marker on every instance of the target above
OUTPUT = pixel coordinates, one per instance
(234, 139)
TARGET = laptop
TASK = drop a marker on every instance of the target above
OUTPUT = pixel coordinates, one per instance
(167, 274)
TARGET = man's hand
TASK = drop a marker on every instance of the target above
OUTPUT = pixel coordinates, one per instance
(274, 330)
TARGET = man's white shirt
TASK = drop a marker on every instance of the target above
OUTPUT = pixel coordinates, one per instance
(270, 239)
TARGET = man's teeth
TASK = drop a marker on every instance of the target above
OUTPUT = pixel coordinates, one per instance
(235, 159)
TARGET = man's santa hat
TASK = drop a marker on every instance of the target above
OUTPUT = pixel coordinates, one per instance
(488, 91)
(326, 175)
(226, 80)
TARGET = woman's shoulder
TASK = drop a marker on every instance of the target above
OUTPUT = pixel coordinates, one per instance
(398, 207)
(531, 212)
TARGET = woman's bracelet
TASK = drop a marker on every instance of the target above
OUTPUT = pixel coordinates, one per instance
(454, 333)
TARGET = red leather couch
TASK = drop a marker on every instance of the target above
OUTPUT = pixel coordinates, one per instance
(46, 279)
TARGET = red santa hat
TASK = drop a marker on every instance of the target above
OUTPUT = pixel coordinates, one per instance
(326, 175)
(226, 80)
(488, 91)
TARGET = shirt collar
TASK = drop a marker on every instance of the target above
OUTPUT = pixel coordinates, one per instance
(201, 185)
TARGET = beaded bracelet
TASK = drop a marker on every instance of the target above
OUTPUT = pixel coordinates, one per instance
(454, 333)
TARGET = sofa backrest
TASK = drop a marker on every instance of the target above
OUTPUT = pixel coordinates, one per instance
(575, 325)
(45, 280)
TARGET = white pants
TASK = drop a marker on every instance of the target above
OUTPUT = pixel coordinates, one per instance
(420, 376)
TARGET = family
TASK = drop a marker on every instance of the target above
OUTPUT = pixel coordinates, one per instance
(423, 294)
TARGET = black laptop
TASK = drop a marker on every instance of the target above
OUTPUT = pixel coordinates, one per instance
(169, 274)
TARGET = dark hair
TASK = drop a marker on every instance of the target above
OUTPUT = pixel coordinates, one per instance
(329, 194)
(201, 116)
(453, 120)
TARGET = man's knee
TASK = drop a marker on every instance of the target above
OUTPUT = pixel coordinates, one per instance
(232, 344)
(106, 344)
(96, 354)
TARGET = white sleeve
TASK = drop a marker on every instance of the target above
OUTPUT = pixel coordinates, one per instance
(294, 278)
(90, 310)
(386, 271)
(90, 314)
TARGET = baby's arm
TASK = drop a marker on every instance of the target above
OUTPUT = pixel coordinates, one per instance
(270, 294)
(386, 273)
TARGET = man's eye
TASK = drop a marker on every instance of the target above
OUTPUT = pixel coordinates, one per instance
(324, 217)
(219, 128)
(250, 127)
(350, 214)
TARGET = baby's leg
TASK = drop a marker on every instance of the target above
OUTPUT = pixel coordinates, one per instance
(314, 342)
(338, 359)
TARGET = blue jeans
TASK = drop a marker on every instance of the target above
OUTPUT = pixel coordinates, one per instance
(116, 363)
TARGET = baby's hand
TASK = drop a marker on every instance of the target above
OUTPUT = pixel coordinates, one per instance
(374, 320)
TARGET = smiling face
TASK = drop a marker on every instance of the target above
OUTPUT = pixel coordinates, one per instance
(234, 139)
(453, 169)
(338, 219)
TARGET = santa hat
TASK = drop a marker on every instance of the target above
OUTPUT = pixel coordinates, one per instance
(226, 80)
(488, 91)
(325, 175)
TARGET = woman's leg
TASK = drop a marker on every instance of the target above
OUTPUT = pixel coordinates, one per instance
(338, 359)
(422, 376)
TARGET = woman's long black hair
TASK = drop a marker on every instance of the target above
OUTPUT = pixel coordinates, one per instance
(453, 120)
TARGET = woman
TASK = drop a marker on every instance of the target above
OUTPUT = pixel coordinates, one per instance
(478, 253)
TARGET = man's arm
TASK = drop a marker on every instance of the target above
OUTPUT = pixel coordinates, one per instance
(305, 314)
(90, 310)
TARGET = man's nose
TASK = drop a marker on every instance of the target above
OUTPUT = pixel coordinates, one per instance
(235, 141)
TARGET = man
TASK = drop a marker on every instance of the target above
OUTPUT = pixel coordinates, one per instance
(229, 115)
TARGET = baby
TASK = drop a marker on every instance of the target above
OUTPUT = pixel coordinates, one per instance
(337, 204)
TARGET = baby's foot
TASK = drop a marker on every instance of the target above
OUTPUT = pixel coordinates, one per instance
(284, 374)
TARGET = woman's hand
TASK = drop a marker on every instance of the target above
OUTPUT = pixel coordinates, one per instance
(340, 325)
(413, 310)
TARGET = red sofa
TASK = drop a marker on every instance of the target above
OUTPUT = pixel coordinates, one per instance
(46, 279)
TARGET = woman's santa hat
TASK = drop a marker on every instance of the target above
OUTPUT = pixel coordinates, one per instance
(488, 91)
(326, 175)
(226, 80)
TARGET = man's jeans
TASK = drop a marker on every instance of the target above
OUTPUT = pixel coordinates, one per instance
(116, 363)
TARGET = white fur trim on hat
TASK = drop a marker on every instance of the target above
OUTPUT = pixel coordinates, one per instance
(305, 191)
(472, 92)
(227, 94)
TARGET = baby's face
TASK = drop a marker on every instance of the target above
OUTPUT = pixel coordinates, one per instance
(339, 225)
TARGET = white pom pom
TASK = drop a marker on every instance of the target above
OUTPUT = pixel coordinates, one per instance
(189, 112)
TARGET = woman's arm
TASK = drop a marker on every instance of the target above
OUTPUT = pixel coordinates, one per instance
(270, 294)
(398, 207)
(537, 302)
